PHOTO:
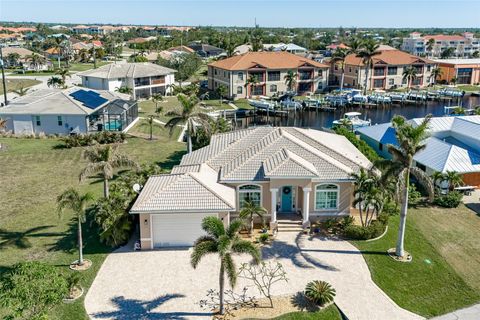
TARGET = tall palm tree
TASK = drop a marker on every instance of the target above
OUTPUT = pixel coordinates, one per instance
(225, 243)
(105, 160)
(354, 45)
(55, 82)
(156, 98)
(36, 60)
(71, 199)
(13, 58)
(58, 46)
(454, 179)
(409, 74)
(435, 74)
(189, 117)
(83, 55)
(290, 79)
(430, 45)
(410, 142)
(250, 83)
(339, 57)
(63, 73)
(249, 211)
(368, 51)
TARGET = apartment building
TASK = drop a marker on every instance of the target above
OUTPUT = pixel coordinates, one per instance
(463, 45)
(270, 69)
(145, 79)
(465, 71)
(386, 72)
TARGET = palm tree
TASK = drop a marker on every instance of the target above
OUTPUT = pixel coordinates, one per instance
(454, 179)
(54, 82)
(454, 81)
(189, 117)
(151, 122)
(58, 46)
(367, 52)
(225, 243)
(437, 177)
(430, 45)
(22, 90)
(156, 98)
(249, 211)
(13, 58)
(339, 56)
(126, 90)
(222, 91)
(63, 73)
(105, 160)
(250, 83)
(76, 202)
(435, 74)
(83, 55)
(36, 60)
(3, 124)
(290, 79)
(409, 74)
(410, 142)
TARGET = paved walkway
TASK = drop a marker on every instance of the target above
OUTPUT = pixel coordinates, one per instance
(470, 313)
(162, 284)
(473, 201)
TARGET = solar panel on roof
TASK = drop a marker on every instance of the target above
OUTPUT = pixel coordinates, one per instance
(90, 99)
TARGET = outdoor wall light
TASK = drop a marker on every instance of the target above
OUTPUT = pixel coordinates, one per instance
(145, 222)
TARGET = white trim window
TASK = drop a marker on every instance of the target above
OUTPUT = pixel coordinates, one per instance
(326, 196)
(249, 192)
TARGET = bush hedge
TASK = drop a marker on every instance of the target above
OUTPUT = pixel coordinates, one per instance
(374, 230)
(450, 200)
(361, 145)
(103, 137)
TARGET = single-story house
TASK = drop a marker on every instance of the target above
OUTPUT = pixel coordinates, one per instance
(206, 50)
(453, 145)
(73, 110)
(289, 171)
(23, 60)
(144, 78)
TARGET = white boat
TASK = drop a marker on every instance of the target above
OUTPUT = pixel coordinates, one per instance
(358, 97)
(261, 104)
(378, 98)
(352, 119)
(291, 104)
(448, 92)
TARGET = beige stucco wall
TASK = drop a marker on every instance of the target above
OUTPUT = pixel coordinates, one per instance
(145, 236)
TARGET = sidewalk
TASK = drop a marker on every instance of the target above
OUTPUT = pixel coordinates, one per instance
(470, 313)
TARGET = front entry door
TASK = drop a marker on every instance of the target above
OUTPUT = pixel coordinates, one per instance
(287, 199)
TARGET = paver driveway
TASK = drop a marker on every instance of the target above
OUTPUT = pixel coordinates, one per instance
(163, 285)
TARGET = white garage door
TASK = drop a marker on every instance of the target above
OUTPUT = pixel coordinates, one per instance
(177, 230)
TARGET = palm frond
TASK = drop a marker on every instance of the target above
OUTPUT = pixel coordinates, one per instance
(230, 269)
(243, 246)
(203, 246)
(425, 181)
(213, 226)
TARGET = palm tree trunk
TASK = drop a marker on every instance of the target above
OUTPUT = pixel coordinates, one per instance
(105, 187)
(366, 79)
(58, 57)
(151, 129)
(80, 244)
(342, 78)
(189, 139)
(403, 218)
(222, 284)
(251, 225)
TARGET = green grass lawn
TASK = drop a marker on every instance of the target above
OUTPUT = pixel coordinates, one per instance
(468, 88)
(329, 313)
(242, 104)
(33, 174)
(15, 84)
(428, 285)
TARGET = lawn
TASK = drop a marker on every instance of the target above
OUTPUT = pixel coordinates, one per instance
(15, 84)
(329, 313)
(242, 104)
(34, 172)
(468, 88)
(429, 285)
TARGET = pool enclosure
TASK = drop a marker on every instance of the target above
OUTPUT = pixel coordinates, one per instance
(116, 116)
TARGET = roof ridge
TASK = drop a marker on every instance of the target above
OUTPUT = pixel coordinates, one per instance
(192, 174)
(298, 162)
(448, 156)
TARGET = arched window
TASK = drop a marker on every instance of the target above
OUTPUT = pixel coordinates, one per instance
(326, 196)
(251, 193)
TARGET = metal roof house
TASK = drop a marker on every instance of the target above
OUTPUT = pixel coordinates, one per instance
(453, 145)
(296, 172)
(72, 110)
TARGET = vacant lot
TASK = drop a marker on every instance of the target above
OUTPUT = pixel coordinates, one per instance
(33, 173)
(16, 84)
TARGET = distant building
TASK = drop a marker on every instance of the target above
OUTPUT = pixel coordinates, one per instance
(453, 145)
(463, 45)
(95, 30)
(386, 72)
(206, 50)
(73, 110)
(23, 61)
(465, 71)
(289, 47)
(145, 79)
(270, 69)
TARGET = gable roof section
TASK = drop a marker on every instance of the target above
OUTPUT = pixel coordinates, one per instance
(127, 70)
(393, 57)
(271, 60)
(287, 164)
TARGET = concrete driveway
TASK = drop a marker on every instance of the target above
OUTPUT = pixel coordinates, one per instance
(162, 285)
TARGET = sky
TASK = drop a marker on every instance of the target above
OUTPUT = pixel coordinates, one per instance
(268, 13)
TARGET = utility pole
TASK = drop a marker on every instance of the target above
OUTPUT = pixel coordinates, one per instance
(3, 76)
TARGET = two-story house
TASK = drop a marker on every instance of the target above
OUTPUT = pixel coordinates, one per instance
(270, 69)
(145, 79)
(386, 71)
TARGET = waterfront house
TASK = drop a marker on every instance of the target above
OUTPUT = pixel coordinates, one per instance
(145, 79)
(303, 173)
(386, 71)
(463, 45)
(465, 71)
(270, 69)
(453, 145)
(72, 110)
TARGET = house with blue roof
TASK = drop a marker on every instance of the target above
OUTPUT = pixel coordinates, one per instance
(453, 145)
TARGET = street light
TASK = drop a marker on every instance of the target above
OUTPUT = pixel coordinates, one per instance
(3, 76)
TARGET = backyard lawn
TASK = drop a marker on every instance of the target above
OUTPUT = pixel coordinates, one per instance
(15, 84)
(438, 280)
(34, 172)
(329, 313)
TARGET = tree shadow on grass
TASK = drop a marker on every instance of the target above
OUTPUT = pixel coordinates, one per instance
(137, 309)
(21, 239)
(172, 160)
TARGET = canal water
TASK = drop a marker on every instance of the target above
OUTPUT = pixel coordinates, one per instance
(322, 119)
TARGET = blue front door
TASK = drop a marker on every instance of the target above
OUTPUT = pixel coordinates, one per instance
(287, 199)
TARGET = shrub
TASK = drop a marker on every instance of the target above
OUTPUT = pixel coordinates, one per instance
(346, 222)
(391, 208)
(450, 200)
(319, 292)
(330, 224)
(263, 238)
(374, 230)
(414, 196)
(103, 137)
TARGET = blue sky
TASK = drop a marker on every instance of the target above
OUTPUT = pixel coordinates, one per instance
(279, 13)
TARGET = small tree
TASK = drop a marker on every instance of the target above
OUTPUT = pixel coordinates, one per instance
(30, 289)
(264, 276)
(249, 211)
(454, 179)
(222, 91)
